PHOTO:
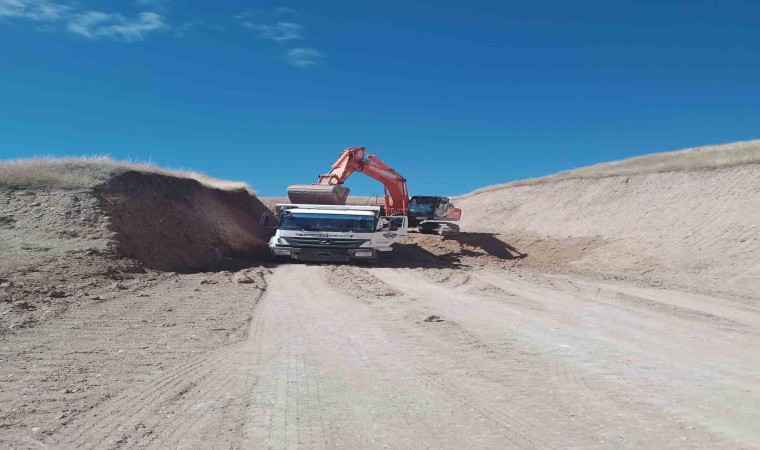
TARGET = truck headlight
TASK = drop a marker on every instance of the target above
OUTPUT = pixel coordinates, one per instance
(364, 253)
(282, 251)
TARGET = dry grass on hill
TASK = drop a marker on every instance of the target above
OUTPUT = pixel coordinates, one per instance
(87, 172)
(698, 158)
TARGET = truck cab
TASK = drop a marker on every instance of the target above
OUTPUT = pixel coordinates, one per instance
(334, 233)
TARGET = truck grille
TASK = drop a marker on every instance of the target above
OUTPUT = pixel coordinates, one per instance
(325, 242)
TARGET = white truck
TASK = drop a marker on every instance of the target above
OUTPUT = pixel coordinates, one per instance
(334, 233)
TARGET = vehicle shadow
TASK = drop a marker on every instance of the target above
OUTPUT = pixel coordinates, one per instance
(455, 251)
(489, 243)
(460, 250)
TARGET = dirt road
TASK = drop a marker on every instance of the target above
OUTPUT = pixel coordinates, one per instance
(380, 357)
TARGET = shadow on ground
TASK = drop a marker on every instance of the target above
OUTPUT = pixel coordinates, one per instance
(461, 250)
(488, 243)
(259, 257)
(451, 251)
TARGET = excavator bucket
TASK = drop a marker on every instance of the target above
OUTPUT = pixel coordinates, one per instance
(318, 194)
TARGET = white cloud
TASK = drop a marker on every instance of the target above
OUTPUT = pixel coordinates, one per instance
(282, 10)
(245, 15)
(39, 10)
(304, 57)
(94, 24)
(280, 31)
(90, 24)
(97, 24)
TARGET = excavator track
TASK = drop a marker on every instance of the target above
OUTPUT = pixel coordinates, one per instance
(440, 228)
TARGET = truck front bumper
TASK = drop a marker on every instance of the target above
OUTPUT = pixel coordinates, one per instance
(325, 254)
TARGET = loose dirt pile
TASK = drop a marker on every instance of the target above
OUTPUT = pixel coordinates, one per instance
(469, 250)
(171, 223)
(98, 233)
(696, 228)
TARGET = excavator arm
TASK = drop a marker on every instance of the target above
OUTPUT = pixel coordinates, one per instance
(348, 162)
(328, 189)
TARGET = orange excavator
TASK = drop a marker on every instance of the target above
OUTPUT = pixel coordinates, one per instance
(428, 213)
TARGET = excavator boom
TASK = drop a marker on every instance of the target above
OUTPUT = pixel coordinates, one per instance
(329, 190)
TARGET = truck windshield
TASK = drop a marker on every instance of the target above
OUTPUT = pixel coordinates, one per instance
(327, 222)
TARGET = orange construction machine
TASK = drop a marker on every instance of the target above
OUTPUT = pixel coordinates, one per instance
(428, 213)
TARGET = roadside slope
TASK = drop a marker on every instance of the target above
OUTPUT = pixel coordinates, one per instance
(172, 223)
(75, 229)
(672, 224)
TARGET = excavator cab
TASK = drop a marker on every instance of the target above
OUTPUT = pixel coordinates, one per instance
(426, 207)
(430, 214)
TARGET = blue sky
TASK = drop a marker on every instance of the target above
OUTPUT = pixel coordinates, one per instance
(454, 95)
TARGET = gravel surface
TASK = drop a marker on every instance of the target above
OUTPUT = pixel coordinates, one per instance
(344, 356)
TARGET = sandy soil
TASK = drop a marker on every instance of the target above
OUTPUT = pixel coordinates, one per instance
(384, 357)
(695, 229)
(129, 367)
(61, 247)
(617, 312)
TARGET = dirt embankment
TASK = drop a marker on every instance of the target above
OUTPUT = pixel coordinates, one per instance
(696, 228)
(64, 246)
(55, 250)
(170, 223)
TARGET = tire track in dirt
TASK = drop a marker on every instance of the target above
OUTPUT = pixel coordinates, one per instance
(112, 421)
(102, 328)
(284, 400)
(163, 406)
(472, 347)
(554, 366)
(734, 313)
(342, 357)
(514, 430)
(378, 366)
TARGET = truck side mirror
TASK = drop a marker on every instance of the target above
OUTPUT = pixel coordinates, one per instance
(264, 220)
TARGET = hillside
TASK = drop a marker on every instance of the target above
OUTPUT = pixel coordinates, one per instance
(689, 218)
(71, 227)
(89, 172)
(698, 158)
